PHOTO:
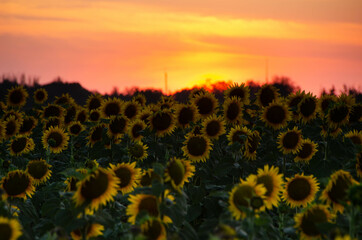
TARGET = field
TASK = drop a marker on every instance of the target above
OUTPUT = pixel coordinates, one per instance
(246, 167)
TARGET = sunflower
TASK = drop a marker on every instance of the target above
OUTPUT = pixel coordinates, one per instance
(94, 102)
(21, 145)
(240, 92)
(196, 91)
(131, 109)
(335, 193)
(213, 127)
(95, 134)
(178, 171)
(40, 96)
(148, 176)
(91, 164)
(347, 99)
(140, 98)
(95, 115)
(290, 141)
(12, 127)
(10, 229)
(206, 103)
(17, 184)
(338, 115)
(75, 128)
(306, 222)
(154, 229)
(325, 102)
(293, 100)
(242, 195)
(138, 150)
(135, 129)
(15, 113)
(238, 134)
(355, 115)
(355, 136)
(16, 96)
(92, 230)
(28, 124)
(128, 175)
(65, 99)
(98, 188)
(162, 122)
(142, 203)
(144, 115)
(56, 139)
(70, 114)
(251, 144)
(307, 151)
(81, 115)
(233, 111)
(186, 114)
(71, 182)
(307, 108)
(197, 148)
(359, 164)
(272, 181)
(300, 190)
(276, 115)
(266, 95)
(117, 126)
(334, 132)
(53, 122)
(39, 171)
(111, 107)
(52, 110)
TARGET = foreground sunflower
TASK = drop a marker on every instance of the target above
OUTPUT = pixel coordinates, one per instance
(111, 107)
(307, 151)
(232, 110)
(128, 175)
(40, 96)
(17, 184)
(98, 188)
(213, 127)
(39, 171)
(290, 141)
(10, 229)
(21, 145)
(16, 96)
(162, 122)
(266, 95)
(306, 222)
(56, 139)
(197, 148)
(300, 190)
(276, 115)
(206, 103)
(355, 136)
(307, 108)
(93, 230)
(335, 193)
(154, 229)
(240, 92)
(142, 203)
(186, 114)
(178, 172)
(138, 150)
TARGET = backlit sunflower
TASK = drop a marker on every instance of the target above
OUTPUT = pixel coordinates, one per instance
(266, 95)
(355, 115)
(293, 100)
(276, 115)
(28, 124)
(131, 109)
(64, 99)
(186, 114)
(148, 176)
(56, 139)
(238, 134)
(95, 134)
(52, 110)
(290, 141)
(325, 102)
(17, 184)
(142, 203)
(117, 126)
(98, 188)
(92, 230)
(16, 96)
(242, 195)
(138, 150)
(135, 129)
(307, 151)
(359, 164)
(39, 170)
(94, 102)
(232, 110)
(338, 115)
(307, 222)
(140, 98)
(21, 145)
(10, 229)
(240, 92)
(178, 171)
(335, 193)
(162, 122)
(40, 96)
(213, 127)
(94, 115)
(307, 108)
(71, 182)
(251, 144)
(154, 229)
(12, 127)
(206, 104)
(272, 181)
(81, 115)
(128, 175)
(197, 148)
(111, 107)
(300, 190)
(166, 102)
(75, 128)
(196, 91)
(355, 136)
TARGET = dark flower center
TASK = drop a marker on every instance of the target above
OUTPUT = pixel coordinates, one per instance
(299, 189)
(94, 103)
(55, 139)
(125, 175)
(52, 111)
(161, 121)
(196, 146)
(154, 230)
(290, 140)
(241, 195)
(275, 114)
(308, 107)
(267, 96)
(136, 130)
(95, 186)
(37, 169)
(267, 181)
(238, 92)
(306, 151)
(149, 204)
(6, 231)
(94, 116)
(205, 105)
(10, 128)
(310, 221)
(213, 128)
(82, 116)
(97, 134)
(339, 113)
(186, 115)
(40, 96)
(339, 189)
(112, 108)
(75, 129)
(232, 111)
(130, 111)
(16, 97)
(16, 184)
(19, 144)
(118, 125)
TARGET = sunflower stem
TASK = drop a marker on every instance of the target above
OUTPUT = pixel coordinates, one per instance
(251, 219)
(352, 223)
(325, 150)
(84, 230)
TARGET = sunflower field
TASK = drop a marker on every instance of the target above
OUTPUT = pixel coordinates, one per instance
(259, 166)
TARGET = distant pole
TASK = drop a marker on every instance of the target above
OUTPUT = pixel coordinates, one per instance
(166, 83)
(266, 70)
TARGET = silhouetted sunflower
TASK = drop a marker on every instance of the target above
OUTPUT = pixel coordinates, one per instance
(290, 141)
(95, 115)
(21, 145)
(266, 95)
(307, 108)
(238, 134)
(39, 171)
(40, 96)
(162, 122)
(52, 110)
(17, 184)
(64, 99)
(240, 92)
(117, 126)
(251, 144)
(213, 126)
(307, 151)
(71, 182)
(95, 134)
(355, 136)
(56, 139)
(75, 128)
(335, 193)
(10, 229)
(28, 124)
(355, 116)
(338, 115)
(197, 148)
(94, 102)
(300, 190)
(93, 230)
(12, 127)
(128, 175)
(140, 98)
(232, 110)
(131, 109)
(135, 129)
(276, 115)
(186, 114)
(359, 164)
(325, 102)
(206, 103)
(178, 171)
(98, 188)
(111, 107)
(307, 221)
(16, 96)
(138, 150)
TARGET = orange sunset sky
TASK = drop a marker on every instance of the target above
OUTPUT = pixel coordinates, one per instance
(103, 44)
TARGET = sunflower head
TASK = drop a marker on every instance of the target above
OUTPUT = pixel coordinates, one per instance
(95, 115)
(17, 184)
(138, 150)
(213, 126)
(325, 102)
(16, 96)
(338, 115)
(186, 114)
(131, 109)
(233, 111)
(238, 134)
(28, 124)
(154, 229)
(64, 99)
(111, 107)
(276, 115)
(142, 203)
(178, 171)
(196, 91)
(290, 141)
(12, 127)
(355, 115)
(240, 92)
(94, 102)
(135, 129)
(293, 100)
(81, 115)
(10, 228)
(251, 144)
(140, 99)
(53, 122)
(148, 176)
(197, 148)
(21, 145)
(70, 114)
(128, 175)
(307, 151)
(117, 126)
(95, 134)
(75, 128)
(266, 95)
(92, 230)
(145, 114)
(56, 139)
(40, 96)
(162, 122)
(18, 115)
(52, 110)
(206, 103)
(355, 136)
(307, 108)
(39, 170)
